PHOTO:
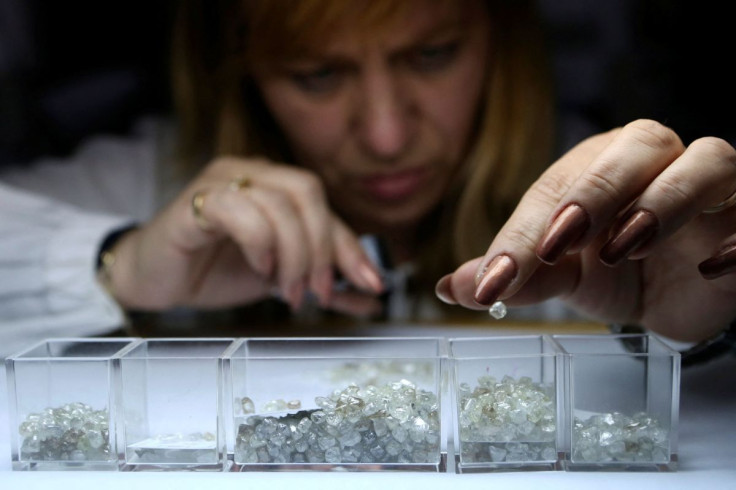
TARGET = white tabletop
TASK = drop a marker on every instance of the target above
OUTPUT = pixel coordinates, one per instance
(707, 457)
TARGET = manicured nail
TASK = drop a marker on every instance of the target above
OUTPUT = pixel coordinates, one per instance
(501, 271)
(635, 232)
(371, 278)
(295, 294)
(443, 291)
(321, 284)
(565, 230)
(722, 263)
(479, 275)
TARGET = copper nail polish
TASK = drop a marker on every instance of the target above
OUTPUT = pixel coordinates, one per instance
(566, 229)
(479, 275)
(724, 262)
(501, 271)
(636, 231)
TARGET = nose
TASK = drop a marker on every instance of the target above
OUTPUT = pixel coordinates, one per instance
(385, 119)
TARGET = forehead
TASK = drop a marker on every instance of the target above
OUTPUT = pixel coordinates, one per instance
(318, 26)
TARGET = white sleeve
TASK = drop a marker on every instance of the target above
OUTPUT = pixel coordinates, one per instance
(106, 174)
(48, 286)
(53, 218)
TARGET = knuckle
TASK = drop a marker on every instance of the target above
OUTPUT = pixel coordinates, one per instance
(279, 200)
(653, 134)
(550, 187)
(311, 186)
(253, 231)
(220, 161)
(600, 140)
(524, 238)
(225, 163)
(602, 183)
(715, 148)
(675, 189)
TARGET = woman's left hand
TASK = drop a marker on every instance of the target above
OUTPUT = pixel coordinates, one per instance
(619, 228)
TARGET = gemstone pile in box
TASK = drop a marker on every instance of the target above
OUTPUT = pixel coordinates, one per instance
(518, 403)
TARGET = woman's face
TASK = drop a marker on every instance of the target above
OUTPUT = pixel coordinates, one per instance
(385, 119)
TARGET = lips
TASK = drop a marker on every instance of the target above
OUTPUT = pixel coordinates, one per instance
(395, 186)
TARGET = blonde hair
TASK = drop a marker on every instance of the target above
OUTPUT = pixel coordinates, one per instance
(221, 113)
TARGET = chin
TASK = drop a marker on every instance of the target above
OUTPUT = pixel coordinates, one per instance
(392, 221)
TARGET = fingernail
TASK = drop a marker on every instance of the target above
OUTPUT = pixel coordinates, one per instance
(295, 294)
(636, 231)
(479, 275)
(722, 263)
(565, 230)
(370, 277)
(443, 291)
(501, 271)
(321, 284)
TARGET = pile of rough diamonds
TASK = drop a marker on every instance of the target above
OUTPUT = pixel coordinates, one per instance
(72, 432)
(507, 420)
(393, 423)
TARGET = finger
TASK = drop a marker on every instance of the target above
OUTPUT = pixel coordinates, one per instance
(702, 176)
(238, 215)
(355, 304)
(352, 261)
(622, 171)
(292, 257)
(458, 287)
(307, 192)
(546, 282)
(224, 282)
(512, 257)
(308, 197)
(721, 263)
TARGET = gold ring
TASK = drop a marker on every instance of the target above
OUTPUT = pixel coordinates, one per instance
(726, 203)
(239, 182)
(197, 206)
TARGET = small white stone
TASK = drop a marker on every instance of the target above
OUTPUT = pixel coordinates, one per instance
(497, 310)
(247, 405)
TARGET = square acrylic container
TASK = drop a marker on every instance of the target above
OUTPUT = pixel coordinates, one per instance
(622, 403)
(170, 412)
(321, 404)
(506, 403)
(62, 405)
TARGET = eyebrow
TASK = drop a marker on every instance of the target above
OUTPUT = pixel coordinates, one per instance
(444, 27)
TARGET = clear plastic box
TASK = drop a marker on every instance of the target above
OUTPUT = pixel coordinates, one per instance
(62, 405)
(506, 403)
(622, 402)
(360, 404)
(171, 398)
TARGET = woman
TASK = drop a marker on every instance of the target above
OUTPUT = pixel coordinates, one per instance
(423, 122)
(405, 116)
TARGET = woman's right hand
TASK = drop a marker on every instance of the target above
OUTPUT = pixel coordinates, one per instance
(261, 226)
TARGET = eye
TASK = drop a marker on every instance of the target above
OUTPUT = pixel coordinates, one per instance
(433, 57)
(320, 80)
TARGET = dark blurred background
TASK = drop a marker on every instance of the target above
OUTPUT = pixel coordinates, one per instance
(74, 68)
